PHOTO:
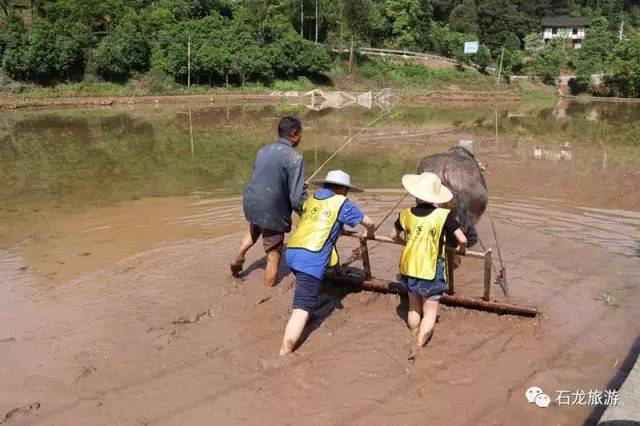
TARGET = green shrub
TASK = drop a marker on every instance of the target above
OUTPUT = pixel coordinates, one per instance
(301, 84)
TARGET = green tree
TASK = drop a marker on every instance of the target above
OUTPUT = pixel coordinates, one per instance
(497, 20)
(125, 51)
(292, 56)
(513, 60)
(592, 57)
(633, 17)
(10, 33)
(624, 72)
(47, 52)
(424, 23)
(97, 16)
(403, 17)
(249, 60)
(212, 48)
(442, 9)
(358, 15)
(547, 63)
(464, 18)
(483, 58)
(449, 43)
(612, 11)
(533, 43)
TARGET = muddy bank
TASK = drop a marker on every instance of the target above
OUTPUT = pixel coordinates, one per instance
(134, 100)
(419, 98)
(112, 346)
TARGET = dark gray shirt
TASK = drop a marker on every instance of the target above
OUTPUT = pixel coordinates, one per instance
(276, 187)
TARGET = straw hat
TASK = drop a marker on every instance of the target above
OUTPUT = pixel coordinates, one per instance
(337, 177)
(427, 187)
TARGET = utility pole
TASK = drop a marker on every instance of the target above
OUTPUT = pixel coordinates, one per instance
(189, 62)
(301, 17)
(500, 68)
(316, 21)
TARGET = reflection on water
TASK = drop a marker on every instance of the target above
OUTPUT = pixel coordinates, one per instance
(571, 169)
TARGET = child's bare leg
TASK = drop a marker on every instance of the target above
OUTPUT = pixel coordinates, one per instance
(415, 311)
(271, 271)
(430, 309)
(293, 331)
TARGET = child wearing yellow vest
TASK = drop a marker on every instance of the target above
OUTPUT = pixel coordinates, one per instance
(311, 248)
(427, 229)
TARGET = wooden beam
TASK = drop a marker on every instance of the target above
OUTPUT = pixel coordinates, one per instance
(384, 239)
(385, 286)
(364, 255)
(450, 266)
(487, 275)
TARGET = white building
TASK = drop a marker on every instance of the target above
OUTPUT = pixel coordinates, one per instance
(570, 28)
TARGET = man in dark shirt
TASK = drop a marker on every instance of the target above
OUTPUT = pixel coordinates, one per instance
(275, 189)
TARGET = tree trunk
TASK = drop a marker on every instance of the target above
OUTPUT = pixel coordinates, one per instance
(352, 58)
(301, 18)
(316, 21)
(341, 22)
(226, 79)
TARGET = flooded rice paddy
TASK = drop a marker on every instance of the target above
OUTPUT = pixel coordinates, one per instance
(115, 221)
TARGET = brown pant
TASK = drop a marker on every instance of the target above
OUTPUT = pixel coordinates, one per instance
(271, 240)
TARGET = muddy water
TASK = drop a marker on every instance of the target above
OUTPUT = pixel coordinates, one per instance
(115, 221)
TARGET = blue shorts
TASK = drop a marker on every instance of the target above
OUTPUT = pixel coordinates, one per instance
(429, 289)
(306, 293)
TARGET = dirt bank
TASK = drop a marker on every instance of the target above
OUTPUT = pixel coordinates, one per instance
(413, 98)
(163, 335)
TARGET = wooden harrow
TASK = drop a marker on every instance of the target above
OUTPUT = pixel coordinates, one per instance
(369, 282)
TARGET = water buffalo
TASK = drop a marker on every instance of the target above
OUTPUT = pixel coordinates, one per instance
(461, 173)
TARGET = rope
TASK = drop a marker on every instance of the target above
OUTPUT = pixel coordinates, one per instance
(392, 210)
(495, 237)
(347, 143)
(356, 252)
(501, 276)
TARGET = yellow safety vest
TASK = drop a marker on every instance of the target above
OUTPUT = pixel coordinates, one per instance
(420, 255)
(316, 223)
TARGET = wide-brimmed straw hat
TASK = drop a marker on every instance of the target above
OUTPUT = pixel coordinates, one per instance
(337, 177)
(427, 187)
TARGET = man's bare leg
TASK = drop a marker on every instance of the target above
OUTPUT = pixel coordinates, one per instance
(271, 271)
(248, 240)
(430, 309)
(415, 311)
(293, 331)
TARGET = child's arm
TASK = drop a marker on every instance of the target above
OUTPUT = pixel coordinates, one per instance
(368, 223)
(462, 240)
(396, 235)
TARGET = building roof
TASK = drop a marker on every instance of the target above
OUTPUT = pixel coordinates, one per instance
(565, 21)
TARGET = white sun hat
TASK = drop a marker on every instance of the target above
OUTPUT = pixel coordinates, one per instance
(337, 177)
(427, 187)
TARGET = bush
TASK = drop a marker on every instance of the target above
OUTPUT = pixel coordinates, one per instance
(8, 85)
(368, 69)
(301, 84)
